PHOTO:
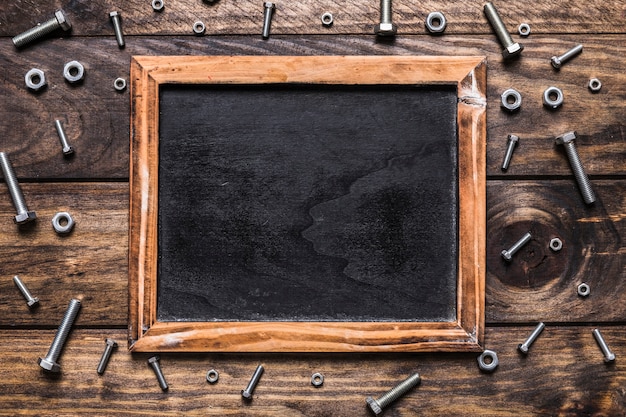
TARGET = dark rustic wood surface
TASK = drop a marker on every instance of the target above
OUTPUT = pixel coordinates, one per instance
(563, 375)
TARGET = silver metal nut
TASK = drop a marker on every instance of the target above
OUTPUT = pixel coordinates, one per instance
(553, 97)
(158, 5)
(594, 85)
(436, 22)
(556, 244)
(327, 19)
(74, 71)
(317, 379)
(62, 222)
(511, 100)
(199, 28)
(583, 290)
(212, 376)
(35, 79)
(523, 29)
(119, 84)
(488, 361)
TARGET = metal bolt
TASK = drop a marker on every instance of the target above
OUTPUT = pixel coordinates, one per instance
(30, 300)
(523, 347)
(58, 21)
(23, 215)
(106, 355)
(49, 363)
(508, 254)
(511, 49)
(247, 393)
(117, 27)
(267, 18)
(608, 355)
(67, 149)
(567, 140)
(557, 61)
(511, 144)
(393, 394)
(386, 27)
(154, 363)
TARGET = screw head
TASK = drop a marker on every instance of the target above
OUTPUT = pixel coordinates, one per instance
(111, 342)
(506, 255)
(556, 62)
(522, 348)
(154, 359)
(62, 19)
(113, 14)
(22, 218)
(565, 138)
(33, 302)
(373, 404)
(49, 365)
(246, 394)
(512, 50)
(386, 29)
(269, 5)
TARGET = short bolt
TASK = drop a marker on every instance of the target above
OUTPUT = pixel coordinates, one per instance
(106, 355)
(523, 347)
(30, 300)
(507, 254)
(511, 49)
(154, 363)
(557, 61)
(268, 12)
(58, 21)
(247, 393)
(567, 140)
(67, 149)
(49, 363)
(378, 405)
(608, 355)
(386, 27)
(23, 215)
(117, 27)
(512, 141)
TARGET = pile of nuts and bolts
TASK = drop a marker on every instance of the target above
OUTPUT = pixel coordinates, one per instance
(436, 22)
(553, 97)
(511, 100)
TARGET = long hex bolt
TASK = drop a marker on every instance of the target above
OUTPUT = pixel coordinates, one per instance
(49, 363)
(608, 355)
(58, 21)
(386, 27)
(378, 405)
(30, 300)
(154, 363)
(567, 140)
(67, 149)
(557, 61)
(117, 27)
(268, 12)
(106, 355)
(511, 49)
(523, 347)
(23, 215)
(507, 254)
(512, 141)
(247, 393)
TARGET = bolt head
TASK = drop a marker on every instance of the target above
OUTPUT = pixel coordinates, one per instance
(111, 342)
(610, 357)
(522, 348)
(49, 365)
(513, 138)
(113, 14)
(386, 29)
(246, 394)
(556, 62)
(269, 5)
(506, 255)
(62, 19)
(154, 359)
(33, 302)
(512, 50)
(565, 138)
(22, 218)
(374, 405)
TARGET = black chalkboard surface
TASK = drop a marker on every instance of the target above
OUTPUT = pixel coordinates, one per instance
(297, 202)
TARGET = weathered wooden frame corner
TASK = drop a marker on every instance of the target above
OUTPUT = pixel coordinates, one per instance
(146, 334)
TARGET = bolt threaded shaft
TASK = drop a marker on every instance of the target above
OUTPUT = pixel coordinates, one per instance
(66, 325)
(399, 390)
(11, 181)
(498, 26)
(579, 173)
(385, 11)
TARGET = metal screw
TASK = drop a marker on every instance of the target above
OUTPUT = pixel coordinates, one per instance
(567, 140)
(608, 355)
(23, 215)
(106, 355)
(30, 300)
(58, 21)
(67, 149)
(49, 363)
(267, 18)
(154, 363)
(393, 394)
(523, 347)
(247, 393)
(117, 27)
(386, 27)
(511, 49)
(508, 254)
(511, 144)
(557, 61)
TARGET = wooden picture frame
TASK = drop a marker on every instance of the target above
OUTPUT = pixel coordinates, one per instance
(465, 333)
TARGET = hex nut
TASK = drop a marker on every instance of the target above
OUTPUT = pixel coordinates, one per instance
(583, 290)
(492, 357)
(327, 19)
(317, 379)
(62, 222)
(158, 5)
(556, 244)
(199, 28)
(555, 102)
(595, 85)
(74, 71)
(436, 22)
(212, 376)
(35, 79)
(511, 100)
(119, 84)
(523, 29)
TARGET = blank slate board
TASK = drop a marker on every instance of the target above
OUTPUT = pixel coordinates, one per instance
(296, 213)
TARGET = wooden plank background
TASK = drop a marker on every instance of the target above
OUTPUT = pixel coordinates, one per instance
(564, 374)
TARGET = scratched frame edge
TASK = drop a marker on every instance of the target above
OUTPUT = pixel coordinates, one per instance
(146, 334)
